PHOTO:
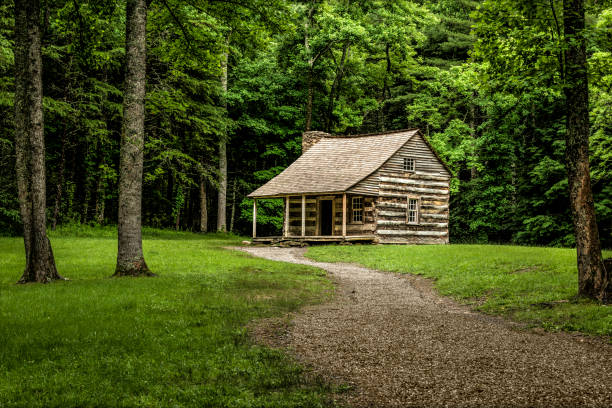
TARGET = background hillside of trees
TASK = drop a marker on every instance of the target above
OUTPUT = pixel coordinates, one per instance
(483, 80)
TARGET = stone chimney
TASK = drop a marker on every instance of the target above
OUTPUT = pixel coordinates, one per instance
(311, 137)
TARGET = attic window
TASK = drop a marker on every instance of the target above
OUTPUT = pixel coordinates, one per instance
(412, 213)
(409, 164)
(357, 209)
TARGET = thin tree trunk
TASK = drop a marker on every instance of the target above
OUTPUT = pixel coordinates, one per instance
(60, 183)
(130, 259)
(85, 208)
(222, 196)
(189, 210)
(385, 90)
(311, 62)
(593, 279)
(309, 100)
(30, 144)
(335, 86)
(232, 217)
(100, 201)
(62, 169)
(473, 170)
(203, 206)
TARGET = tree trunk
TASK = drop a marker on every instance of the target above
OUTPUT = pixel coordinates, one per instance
(310, 90)
(593, 279)
(130, 259)
(473, 170)
(233, 213)
(62, 169)
(100, 200)
(60, 182)
(222, 197)
(385, 91)
(309, 100)
(335, 86)
(203, 206)
(30, 144)
(189, 224)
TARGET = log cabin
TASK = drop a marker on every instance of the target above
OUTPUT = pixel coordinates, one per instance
(387, 187)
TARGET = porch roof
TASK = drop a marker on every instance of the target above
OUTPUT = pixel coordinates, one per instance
(335, 164)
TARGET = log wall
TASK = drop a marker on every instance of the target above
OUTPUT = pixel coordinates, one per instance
(367, 227)
(429, 183)
(295, 215)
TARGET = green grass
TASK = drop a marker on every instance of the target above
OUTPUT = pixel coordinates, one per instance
(534, 285)
(179, 339)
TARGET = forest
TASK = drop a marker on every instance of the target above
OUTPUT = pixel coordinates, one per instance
(231, 85)
(138, 129)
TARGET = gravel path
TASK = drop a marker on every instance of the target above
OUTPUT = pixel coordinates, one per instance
(399, 344)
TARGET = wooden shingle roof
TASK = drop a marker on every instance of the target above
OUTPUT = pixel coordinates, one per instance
(335, 164)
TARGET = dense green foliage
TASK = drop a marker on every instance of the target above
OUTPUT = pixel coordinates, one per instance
(529, 284)
(482, 79)
(176, 340)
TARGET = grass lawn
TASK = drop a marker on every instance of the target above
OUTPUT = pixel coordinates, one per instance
(175, 340)
(535, 285)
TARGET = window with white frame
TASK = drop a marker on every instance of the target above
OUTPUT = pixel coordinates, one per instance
(357, 206)
(412, 214)
(409, 164)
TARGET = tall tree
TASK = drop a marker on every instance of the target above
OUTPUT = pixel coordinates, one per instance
(222, 196)
(30, 144)
(130, 259)
(593, 279)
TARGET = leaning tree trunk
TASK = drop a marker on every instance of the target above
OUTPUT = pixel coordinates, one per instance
(593, 279)
(30, 144)
(130, 259)
(222, 197)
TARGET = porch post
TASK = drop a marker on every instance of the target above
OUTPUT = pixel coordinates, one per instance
(254, 218)
(303, 215)
(286, 216)
(344, 215)
(334, 216)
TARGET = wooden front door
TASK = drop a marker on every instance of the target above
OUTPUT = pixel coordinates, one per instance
(326, 217)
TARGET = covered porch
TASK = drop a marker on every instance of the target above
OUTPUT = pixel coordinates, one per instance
(335, 217)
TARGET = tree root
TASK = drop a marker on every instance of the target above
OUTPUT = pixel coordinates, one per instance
(134, 269)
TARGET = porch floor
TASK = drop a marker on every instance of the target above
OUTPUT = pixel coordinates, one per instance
(314, 239)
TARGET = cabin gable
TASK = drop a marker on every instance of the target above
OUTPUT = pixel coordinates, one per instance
(425, 160)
